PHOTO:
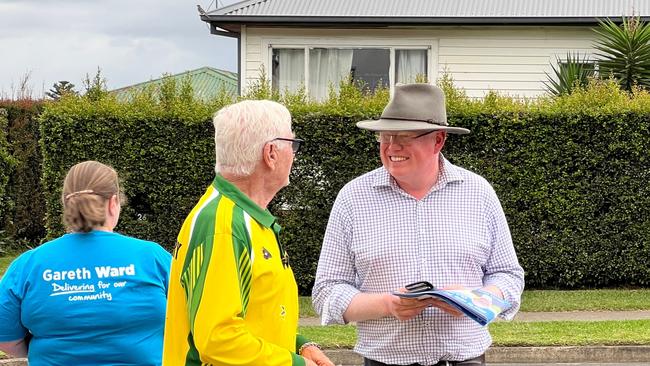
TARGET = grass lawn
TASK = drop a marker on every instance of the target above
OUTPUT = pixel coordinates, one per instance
(511, 334)
(4, 263)
(546, 300)
(551, 300)
(634, 332)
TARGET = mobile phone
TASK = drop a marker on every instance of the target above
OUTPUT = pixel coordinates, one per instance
(419, 286)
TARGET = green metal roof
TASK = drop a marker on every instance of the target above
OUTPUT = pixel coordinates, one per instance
(206, 82)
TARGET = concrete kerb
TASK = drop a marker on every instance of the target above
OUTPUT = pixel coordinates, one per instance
(505, 355)
(530, 355)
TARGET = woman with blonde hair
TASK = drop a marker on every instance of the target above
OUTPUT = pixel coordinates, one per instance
(91, 296)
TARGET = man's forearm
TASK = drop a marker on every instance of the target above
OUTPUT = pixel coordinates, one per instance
(494, 290)
(365, 306)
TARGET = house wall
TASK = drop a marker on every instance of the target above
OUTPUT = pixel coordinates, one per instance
(510, 60)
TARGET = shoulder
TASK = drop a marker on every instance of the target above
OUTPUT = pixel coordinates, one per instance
(469, 178)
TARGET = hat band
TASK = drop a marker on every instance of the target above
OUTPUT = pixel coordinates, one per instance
(411, 119)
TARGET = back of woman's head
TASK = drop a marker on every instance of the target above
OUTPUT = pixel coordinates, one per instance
(86, 190)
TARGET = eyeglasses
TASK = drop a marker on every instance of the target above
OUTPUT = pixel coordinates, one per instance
(295, 143)
(404, 140)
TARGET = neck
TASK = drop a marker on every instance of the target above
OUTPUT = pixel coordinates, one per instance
(419, 186)
(104, 228)
(254, 186)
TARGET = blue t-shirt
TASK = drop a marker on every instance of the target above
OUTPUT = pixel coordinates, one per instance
(88, 299)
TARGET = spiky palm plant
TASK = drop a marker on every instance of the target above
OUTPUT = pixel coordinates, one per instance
(568, 74)
(625, 52)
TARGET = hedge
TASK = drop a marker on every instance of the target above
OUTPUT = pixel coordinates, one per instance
(163, 154)
(6, 167)
(571, 172)
(25, 210)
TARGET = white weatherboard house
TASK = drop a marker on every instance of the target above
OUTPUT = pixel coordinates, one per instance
(501, 45)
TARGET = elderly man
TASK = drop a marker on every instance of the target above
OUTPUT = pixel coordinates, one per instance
(418, 217)
(233, 299)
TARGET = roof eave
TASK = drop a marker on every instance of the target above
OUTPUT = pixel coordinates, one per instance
(231, 22)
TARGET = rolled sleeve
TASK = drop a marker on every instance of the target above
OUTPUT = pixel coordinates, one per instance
(502, 268)
(511, 293)
(337, 303)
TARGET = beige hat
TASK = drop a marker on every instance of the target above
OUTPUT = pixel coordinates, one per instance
(414, 107)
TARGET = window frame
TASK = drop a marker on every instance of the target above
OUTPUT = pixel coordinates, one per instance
(431, 45)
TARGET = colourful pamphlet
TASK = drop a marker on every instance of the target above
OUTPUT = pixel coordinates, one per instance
(480, 305)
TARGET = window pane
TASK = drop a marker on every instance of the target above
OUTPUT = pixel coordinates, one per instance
(410, 66)
(288, 73)
(370, 67)
(327, 66)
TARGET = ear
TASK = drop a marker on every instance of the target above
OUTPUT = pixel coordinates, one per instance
(270, 155)
(113, 204)
(441, 137)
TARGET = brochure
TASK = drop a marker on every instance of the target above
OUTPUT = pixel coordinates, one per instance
(480, 305)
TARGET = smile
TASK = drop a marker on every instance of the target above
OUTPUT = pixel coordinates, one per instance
(397, 158)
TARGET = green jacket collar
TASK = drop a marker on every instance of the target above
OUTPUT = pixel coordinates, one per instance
(228, 189)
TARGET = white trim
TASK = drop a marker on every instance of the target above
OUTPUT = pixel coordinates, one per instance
(391, 70)
(213, 195)
(306, 85)
(243, 58)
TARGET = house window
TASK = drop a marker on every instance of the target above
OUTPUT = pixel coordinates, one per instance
(410, 66)
(369, 68)
(288, 70)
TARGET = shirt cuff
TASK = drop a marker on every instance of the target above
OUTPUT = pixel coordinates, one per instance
(337, 303)
(300, 340)
(510, 294)
(297, 360)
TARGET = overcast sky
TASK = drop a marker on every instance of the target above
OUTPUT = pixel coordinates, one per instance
(130, 40)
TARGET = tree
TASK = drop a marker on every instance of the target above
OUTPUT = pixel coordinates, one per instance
(60, 89)
(625, 52)
(95, 88)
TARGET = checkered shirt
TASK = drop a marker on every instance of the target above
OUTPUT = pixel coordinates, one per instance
(379, 238)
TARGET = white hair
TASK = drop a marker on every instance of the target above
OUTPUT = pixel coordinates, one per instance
(242, 129)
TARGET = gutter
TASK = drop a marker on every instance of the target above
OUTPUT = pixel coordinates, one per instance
(351, 21)
(217, 32)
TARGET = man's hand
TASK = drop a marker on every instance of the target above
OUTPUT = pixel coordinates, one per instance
(315, 357)
(405, 309)
(446, 307)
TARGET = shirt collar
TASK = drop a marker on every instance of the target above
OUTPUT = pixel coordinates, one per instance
(228, 189)
(448, 173)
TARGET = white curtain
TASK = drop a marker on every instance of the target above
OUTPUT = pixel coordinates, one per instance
(410, 64)
(291, 73)
(327, 66)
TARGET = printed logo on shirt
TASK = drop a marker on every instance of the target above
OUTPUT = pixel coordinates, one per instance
(266, 253)
(283, 312)
(88, 289)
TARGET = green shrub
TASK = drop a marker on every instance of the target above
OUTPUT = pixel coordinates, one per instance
(571, 172)
(7, 164)
(24, 217)
(163, 151)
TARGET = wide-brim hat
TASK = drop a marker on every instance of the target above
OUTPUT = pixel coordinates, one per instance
(414, 107)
